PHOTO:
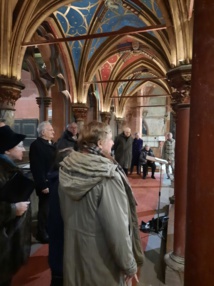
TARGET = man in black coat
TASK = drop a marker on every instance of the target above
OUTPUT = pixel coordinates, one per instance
(123, 149)
(69, 137)
(147, 151)
(136, 149)
(42, 155)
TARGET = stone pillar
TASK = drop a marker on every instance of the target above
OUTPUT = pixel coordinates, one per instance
(80, 113)
(180, 80)
(10, 91)
(200, 204)
(175, 259)
(105, 117)
(43, 103)
(119, 122)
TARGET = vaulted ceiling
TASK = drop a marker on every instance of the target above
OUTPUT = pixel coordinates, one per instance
(115, 48)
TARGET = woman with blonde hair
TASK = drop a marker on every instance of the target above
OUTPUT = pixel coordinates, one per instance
(102, 246)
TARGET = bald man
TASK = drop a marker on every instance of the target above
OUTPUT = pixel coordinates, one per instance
(123, 149)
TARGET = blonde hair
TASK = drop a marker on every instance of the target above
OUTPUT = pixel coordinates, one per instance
(92, 133)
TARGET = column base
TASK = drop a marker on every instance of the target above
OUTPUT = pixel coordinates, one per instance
(172, 199)
(175, 269)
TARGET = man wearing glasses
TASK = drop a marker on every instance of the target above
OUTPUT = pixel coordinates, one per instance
(41, 155)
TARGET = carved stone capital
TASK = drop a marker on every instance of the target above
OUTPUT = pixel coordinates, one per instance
(80, 111)
(10, 91)
(105, 117)
(44, 100)
(180, 81)
(119, 120)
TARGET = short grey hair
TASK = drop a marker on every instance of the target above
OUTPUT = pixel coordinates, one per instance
(169, 134)
(41, 127)
(92, 133)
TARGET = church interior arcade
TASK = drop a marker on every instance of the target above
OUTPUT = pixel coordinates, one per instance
(127, 63)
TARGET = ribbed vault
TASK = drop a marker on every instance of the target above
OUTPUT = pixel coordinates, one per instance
(96, 61)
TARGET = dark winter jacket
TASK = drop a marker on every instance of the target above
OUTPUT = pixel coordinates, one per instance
(15, 232)
(41, 155)
(143, 155)
(123, 150)
(67, 140)
(136, 149)
(55, 226)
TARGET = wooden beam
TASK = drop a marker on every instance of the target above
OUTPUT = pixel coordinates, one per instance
(126, 31)
(146, 95)
(161, 105)
(124, 80)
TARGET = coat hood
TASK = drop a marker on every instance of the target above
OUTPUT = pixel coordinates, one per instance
(80, 172)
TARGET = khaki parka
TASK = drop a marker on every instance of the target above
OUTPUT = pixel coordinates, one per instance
(102, 242)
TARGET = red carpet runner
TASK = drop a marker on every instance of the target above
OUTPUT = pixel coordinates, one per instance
(36, 272)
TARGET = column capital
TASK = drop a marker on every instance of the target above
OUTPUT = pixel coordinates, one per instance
(10, 91)
(43, 100)
(119, 120)
(80, 111)
(105, 116)
(180, 80)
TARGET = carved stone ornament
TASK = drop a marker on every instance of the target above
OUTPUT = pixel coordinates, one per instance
(80, 111)
(105, 117)
(10, 91)
(119, 120)
(44, 100)
(180, 81)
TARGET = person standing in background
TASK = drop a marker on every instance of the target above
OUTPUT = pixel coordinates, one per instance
(123, 149)
(55, 222)
(168, 153)
(15, 218)
(136, 149)
(69, 137)
(41, 155)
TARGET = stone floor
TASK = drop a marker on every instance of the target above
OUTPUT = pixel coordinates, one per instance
(153, 272)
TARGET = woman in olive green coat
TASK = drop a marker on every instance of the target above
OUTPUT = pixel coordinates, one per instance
(102, 245)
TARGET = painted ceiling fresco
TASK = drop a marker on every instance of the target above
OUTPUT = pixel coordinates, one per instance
(126, 59)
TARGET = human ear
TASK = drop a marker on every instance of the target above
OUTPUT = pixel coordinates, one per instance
(99, 144)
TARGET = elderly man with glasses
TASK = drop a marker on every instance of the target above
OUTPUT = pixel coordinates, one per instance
(42, 154)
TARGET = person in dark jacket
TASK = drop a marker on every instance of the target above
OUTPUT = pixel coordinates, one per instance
(15, 218)
(41, 155)
(136, 149)
(123, 149)
(55, 222)
(69, 137)
(147, 151)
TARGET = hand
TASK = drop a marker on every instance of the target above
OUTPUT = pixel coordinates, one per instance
(45, 191)
(21, 208)
(128, 279)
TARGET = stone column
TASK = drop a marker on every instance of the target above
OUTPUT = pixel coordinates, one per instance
(200, 198)
(119, 122)
(105, 117)
(180, 80)
(43, 103)
(10, 91)
(80, 113)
